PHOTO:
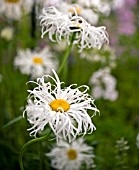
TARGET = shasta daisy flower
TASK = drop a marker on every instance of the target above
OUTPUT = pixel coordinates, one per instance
(71, 156)
(35, 63)
(64, 109)
(59, 25)
(13, 8)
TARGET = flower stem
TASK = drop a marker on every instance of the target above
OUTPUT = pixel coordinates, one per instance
(66, 54)
(27, 144)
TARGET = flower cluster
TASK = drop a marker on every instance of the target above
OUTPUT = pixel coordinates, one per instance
(106, 56)
(61, 26)
(104, 85)
(65, 110)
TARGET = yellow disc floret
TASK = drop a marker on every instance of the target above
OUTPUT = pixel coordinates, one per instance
(59, 105)
(12, 1)
(72, 154)
(38, 60)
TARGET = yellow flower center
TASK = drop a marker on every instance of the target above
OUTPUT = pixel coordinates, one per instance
(12, 1)
(78, 10)
(72, 154)
(38, 60)
(59, 105)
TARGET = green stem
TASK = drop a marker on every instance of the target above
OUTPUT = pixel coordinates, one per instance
(66, 54)
(27, 144)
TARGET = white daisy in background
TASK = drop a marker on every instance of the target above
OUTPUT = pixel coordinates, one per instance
(64, 109)
(101, 6)
(72, 156)
(86, 13)
(7, 33)
(60, 25)
(137, 141)
(35, 63)
(13, 9)
(104, 85)
(106, 56)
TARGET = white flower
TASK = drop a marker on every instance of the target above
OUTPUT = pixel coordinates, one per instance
(104, 85)
(102, 6)
(35, 63)
(86, 13)
(137, 141)
(59, 25)
(106, 56)
(71, 156)
(13, 9)
(7, 33)
(64, 109)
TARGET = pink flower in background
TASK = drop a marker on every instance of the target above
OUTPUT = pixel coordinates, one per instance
(128, 28)
(126, 21)
(125, 15)
(130, 3)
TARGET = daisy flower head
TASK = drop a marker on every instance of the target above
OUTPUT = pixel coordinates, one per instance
(61, 26)
(72, 156)
(35, 63)
(13, 9)
(63, 109)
